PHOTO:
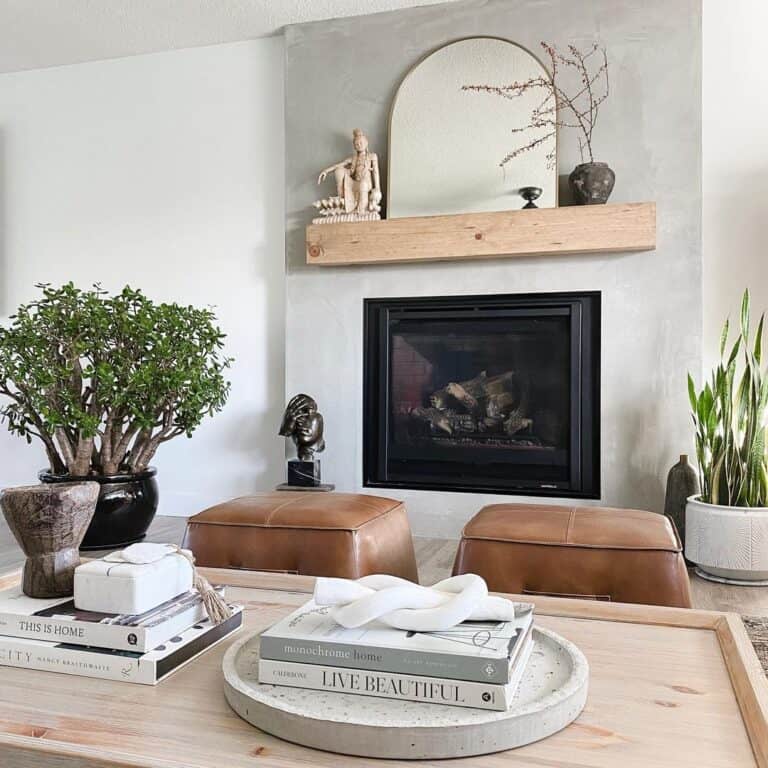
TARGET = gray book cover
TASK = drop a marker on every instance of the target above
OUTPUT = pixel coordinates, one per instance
(390, 685)
(473, 651)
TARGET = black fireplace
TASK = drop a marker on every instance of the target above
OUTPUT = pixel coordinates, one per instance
(494, 394)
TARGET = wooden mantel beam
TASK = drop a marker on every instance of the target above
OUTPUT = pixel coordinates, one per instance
(573, 230)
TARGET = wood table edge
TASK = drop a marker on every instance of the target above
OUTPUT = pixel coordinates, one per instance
(744, 669)
(749, 683)
(27, 751)
(546, 606)
(748, 680)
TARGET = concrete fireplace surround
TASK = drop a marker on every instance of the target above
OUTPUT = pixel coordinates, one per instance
(342, 74)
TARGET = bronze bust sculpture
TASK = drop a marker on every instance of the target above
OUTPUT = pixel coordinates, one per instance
(304, 425)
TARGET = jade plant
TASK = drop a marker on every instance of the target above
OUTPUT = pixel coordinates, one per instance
(103, 380)
(729, 414)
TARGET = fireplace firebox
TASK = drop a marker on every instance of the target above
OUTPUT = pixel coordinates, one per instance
(489, 394)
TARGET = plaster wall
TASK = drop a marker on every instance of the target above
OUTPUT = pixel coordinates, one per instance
(342, 74)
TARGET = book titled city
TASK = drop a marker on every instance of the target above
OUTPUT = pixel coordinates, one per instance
(146, 668)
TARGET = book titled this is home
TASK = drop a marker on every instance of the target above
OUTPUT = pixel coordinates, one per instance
(108, 664)
(57, 620)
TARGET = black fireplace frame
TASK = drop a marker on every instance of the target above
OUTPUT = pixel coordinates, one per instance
(584, 309)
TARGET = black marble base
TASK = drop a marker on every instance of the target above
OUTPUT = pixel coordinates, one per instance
(304, 473)
(322, 488)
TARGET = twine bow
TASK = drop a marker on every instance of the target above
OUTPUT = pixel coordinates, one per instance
(214, 604)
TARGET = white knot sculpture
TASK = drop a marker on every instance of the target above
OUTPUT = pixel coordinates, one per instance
(405, 605)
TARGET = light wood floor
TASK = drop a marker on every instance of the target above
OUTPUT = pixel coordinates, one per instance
(435, 558)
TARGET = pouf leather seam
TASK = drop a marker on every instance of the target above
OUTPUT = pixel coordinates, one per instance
(569, 545)
(284, 526)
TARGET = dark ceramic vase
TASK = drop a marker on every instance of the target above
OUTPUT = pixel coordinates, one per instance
(682, 482)
(592, 183)
(127, 505)
(49, 522)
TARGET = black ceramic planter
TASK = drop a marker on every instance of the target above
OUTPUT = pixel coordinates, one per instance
(126, 506)
(592, 183)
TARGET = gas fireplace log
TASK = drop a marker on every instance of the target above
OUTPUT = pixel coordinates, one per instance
(494, 397)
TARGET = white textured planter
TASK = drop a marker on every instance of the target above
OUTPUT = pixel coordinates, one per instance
(727, 543)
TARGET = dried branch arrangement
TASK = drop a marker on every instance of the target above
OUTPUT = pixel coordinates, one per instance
(558, 108)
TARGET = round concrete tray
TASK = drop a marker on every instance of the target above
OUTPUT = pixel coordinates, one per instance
(552, 694)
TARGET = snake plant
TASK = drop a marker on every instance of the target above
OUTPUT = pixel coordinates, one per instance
(729, 414)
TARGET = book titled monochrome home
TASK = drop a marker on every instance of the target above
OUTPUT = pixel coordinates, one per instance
(389, 685)
(126, 666)
(57, 620)
(481, 651)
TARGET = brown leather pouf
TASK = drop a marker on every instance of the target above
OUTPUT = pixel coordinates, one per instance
(318, 534)
(623, 555)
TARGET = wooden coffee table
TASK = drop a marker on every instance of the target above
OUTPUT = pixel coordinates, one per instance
(668, 687)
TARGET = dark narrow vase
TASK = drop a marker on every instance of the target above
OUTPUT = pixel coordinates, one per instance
(49, 522)
(127, 505)
(592, 183)
(682, 482)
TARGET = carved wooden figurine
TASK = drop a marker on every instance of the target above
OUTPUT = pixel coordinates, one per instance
(358, 186)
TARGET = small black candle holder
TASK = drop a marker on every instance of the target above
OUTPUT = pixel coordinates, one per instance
(529, 194)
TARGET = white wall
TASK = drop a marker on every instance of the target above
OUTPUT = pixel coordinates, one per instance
(735, 162)
(164, 171)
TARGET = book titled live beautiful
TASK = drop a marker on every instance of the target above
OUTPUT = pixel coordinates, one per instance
(389, 685)
(480, 651)
(57, 620)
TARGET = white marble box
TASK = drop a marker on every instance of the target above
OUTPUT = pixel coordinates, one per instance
(113, 585)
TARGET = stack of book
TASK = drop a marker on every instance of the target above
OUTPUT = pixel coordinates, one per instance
(53, 635)
(475, 664)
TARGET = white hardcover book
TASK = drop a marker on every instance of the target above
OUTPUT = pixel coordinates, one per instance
(479, 651)
(58, 620)
(125, 666)
(389, 685)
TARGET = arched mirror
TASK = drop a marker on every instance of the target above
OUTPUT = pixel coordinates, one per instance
(446, 144)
